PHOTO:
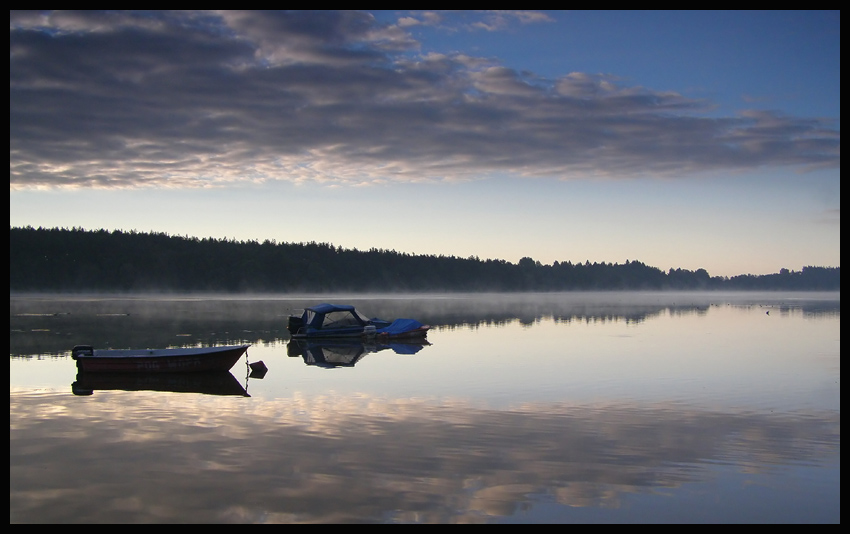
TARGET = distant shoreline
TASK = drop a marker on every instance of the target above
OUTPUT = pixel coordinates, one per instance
(81, 261)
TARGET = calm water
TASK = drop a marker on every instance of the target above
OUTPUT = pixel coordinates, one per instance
(572, 407)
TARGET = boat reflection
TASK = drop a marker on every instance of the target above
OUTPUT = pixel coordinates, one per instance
(342, 352)
(207, 383)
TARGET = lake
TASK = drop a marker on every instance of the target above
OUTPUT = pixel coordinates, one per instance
(521, 408)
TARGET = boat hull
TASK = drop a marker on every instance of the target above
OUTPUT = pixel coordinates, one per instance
(309, 333)
(159, 360)
(361, 333)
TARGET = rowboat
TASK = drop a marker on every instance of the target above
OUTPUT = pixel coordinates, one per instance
(194, 359)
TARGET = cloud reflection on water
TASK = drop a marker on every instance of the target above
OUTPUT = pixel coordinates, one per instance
(330, 458)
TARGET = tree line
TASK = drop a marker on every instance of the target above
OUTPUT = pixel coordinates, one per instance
(76, 260)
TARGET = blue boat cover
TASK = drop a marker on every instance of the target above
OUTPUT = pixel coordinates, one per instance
(400, 326)
(314, 316)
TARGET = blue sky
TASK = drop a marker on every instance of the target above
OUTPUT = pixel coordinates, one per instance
(680, 139)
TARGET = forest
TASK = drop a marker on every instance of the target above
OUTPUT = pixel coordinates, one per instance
(79, 260)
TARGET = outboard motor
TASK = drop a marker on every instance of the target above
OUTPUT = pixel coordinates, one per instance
(295, 324)
(82, 350)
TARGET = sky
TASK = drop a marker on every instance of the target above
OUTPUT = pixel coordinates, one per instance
(680, 139)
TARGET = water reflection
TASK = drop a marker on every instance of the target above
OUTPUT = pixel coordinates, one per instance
(527, 408)
(207, 383)
(317, 459)
(344, 352)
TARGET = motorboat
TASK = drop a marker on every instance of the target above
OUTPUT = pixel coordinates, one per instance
(342, 320)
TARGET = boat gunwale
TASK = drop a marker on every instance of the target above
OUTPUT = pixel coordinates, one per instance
(175, 352)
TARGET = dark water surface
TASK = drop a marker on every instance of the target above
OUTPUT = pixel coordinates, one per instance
(532, 408)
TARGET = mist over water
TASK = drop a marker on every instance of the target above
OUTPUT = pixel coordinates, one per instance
(567, 407)
(156, 320)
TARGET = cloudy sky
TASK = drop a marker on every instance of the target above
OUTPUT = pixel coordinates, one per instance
(680, 139)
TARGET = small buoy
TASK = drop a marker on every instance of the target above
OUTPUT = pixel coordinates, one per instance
(258, 369)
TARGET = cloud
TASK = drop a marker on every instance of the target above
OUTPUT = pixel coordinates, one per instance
(459, 20)
(198, 99)
(499, 20)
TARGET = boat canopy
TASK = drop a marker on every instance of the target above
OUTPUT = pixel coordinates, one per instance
(332, 316)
